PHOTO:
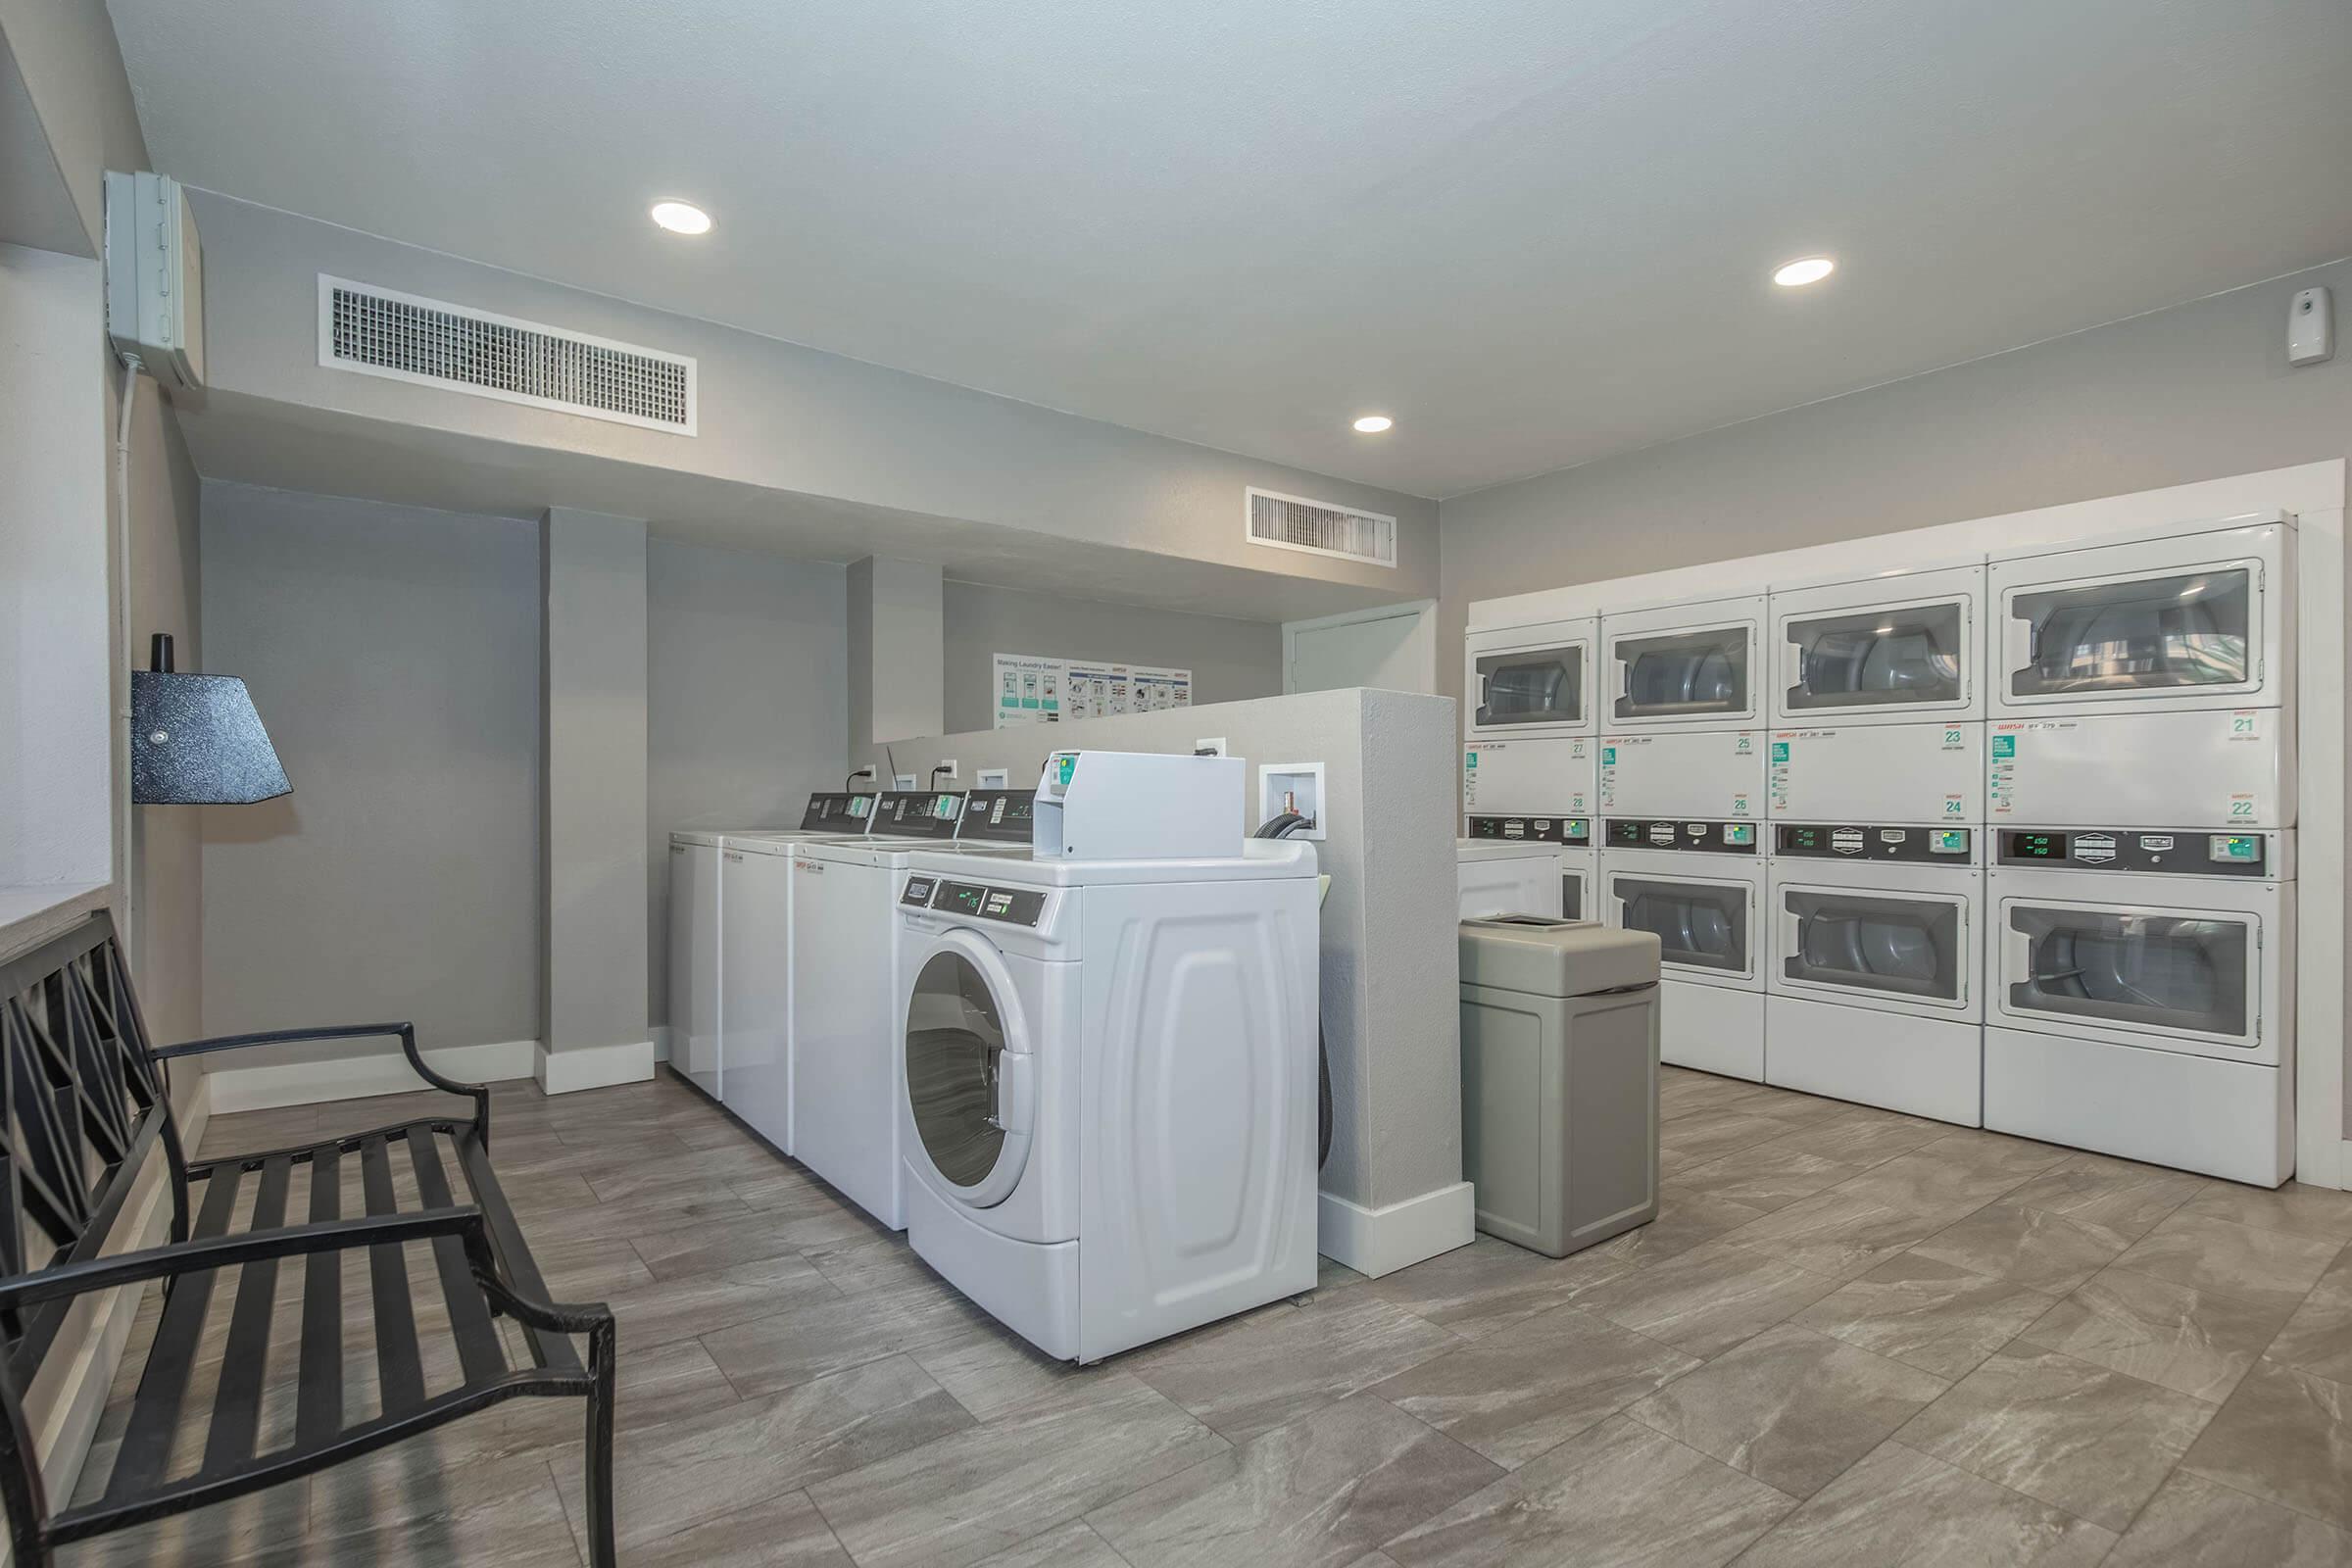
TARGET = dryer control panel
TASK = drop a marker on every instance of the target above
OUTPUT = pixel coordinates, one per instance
(1666, 833)
(2185, 852)
(1869, 840)
(971, 900)
(1573, 831)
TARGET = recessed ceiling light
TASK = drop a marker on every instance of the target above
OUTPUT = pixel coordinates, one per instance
(1803, 271)
(682, 218)
(1373, 423)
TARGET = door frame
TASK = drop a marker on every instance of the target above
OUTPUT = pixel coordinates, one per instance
(1424, 649)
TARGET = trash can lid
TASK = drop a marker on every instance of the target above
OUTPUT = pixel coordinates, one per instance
(1549, 958)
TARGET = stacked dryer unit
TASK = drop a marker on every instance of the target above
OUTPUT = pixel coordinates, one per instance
(2142, 807)
(1528, 764)
(1873, 975)
(1681, 798)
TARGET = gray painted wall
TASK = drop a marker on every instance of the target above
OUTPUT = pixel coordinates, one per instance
(1230, 660)
(2182, 395)
(1389, 945)
(772, 414)
(393, 655)
(746, 676)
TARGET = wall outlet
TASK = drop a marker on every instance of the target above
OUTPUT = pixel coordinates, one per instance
(946, 765)
(1292, 787)
(1214, 746)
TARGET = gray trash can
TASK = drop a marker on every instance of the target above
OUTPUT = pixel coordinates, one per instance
(1559, 1079)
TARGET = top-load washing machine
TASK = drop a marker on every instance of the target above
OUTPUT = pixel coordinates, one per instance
(844, 1101)
(1529, 746)
(2146, 681)
(1509, 876)
(1109, 1063)
(694, 955)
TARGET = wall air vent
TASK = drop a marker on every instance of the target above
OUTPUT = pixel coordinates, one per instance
(1321, 528)
(376, 331)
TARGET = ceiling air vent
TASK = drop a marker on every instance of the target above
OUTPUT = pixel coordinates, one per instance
(1321, 528)
(377, 331)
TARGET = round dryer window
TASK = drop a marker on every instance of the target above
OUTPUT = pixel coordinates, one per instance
(956, 1068)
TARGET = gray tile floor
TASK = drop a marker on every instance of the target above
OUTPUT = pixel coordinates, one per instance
(1851, 1338)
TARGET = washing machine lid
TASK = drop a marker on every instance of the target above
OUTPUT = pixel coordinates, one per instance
(1260, 859)
(703, 837)
(972, 1074)
(1506, 848)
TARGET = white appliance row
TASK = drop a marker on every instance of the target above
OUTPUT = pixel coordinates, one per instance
(2115, 989)
(2009, 689)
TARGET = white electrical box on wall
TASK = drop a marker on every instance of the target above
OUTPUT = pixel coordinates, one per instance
(153, 278)
(2310, 328)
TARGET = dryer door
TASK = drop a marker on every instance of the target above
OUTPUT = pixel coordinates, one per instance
(2182, 978)
(1702, 926)
(971, 1081)
(1876, 944)
(1892, 658)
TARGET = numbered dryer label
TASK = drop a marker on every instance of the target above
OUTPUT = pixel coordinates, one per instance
(2246, 725)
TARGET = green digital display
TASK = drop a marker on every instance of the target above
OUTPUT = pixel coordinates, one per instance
(2037, 846)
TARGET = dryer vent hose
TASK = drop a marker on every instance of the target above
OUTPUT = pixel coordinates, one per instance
(1282, 826)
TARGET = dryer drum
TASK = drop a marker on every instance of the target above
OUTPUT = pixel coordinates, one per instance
(1884, 945)
(2166, 971)
(2150, 634)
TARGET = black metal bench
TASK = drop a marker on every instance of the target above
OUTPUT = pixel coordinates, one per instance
(85, 1107)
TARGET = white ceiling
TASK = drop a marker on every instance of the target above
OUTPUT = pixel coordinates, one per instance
(1535, 231)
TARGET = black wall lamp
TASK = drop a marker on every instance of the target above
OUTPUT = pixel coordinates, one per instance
(195, 740)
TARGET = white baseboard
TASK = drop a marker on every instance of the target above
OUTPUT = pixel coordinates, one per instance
(563, 1072)
(662, 1034)
(378, 1072)
(1381, 1240)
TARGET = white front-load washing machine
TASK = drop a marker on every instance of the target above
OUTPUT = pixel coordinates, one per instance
(1500, 876)
(1698, 887)
(1684, 665)
(1873, 977)
(2141, 996)
(2146, 681)
(1110, 1087)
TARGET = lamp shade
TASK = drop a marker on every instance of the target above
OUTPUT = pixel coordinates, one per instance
(195, 740)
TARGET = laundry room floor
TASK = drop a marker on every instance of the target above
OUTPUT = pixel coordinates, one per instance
(1851, 1338)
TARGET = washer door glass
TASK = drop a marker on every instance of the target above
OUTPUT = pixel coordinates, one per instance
(1697, 926)
(956, 1084)
(1876, 658)
(1683, 674)
(1871, 942)
(1542, 687)
(2176, 973)
(2148, 634)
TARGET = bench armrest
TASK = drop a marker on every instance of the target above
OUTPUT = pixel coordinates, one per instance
(406, 1032)
(246, 1246)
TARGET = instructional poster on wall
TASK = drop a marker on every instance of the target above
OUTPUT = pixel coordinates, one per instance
(1048, 690)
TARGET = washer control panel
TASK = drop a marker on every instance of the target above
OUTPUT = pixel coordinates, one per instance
(1868, 841)
(972, 901)
(1574, 831)
(2101, 849)
(1667, 833)
(1001, 816)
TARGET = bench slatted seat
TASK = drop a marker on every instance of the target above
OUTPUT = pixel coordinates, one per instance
(86, 1109)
